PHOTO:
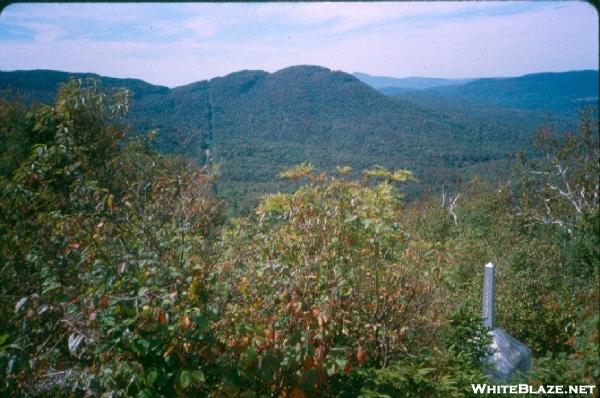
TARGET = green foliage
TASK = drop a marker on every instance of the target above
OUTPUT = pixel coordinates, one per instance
(582, 363)
(382, 172)
(255, 124)
(465, 336)
(98, 240)
(297, 171)
(317, 284)
(343, 170)
(119, 275)
(15, 143)
(567, 176)
(428, 374)
(555, 92)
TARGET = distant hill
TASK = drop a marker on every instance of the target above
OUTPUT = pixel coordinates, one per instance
(154, 107)
(40, 85)
(412, 83)
(551, 92)
(256, 123)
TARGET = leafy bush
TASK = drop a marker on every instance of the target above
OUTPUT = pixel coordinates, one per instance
(100, 241)
(317, 285)
(428, 374)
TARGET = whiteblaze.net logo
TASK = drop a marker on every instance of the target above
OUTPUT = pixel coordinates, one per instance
(528, 389)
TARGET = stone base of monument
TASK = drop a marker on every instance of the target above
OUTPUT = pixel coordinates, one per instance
(510, 359)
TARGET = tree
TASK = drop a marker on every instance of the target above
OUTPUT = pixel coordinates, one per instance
(567, 177)
(101, 239)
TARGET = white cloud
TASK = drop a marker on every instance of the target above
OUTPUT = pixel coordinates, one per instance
(175, 44)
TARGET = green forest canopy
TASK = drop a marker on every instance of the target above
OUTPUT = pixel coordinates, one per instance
(256, 124)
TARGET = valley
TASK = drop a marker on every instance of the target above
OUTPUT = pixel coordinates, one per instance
(257, 123)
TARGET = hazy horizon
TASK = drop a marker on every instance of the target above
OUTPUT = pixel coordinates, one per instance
(349, 72)
(177, 44)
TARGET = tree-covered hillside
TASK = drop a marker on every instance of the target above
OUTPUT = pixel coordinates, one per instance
(254, 123)
(42, 85)
(561, 93)
(122, 276)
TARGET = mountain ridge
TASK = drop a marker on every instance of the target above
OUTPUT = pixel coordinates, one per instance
(255, 123)
(411, 82)
(558, 92)
(427, 82)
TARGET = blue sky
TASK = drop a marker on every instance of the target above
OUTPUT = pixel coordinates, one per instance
(175, 44)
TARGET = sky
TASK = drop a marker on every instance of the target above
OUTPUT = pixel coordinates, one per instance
(173, 44)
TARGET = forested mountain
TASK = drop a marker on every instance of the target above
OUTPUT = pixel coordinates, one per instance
(256, 123)
(413, 83)
(550, 92)
(41, 85)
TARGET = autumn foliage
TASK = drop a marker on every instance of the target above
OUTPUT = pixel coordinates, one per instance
(121, 276)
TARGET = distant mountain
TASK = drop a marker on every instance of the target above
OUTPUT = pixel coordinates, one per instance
(551, 92)
(392, 91)
(40, 85)
(255, 123)
(383, 83)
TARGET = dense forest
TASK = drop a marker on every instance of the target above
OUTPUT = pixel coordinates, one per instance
(124, 272)
(256, 123)
(561, 92)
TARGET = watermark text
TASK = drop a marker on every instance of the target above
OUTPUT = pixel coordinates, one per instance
(529, 389)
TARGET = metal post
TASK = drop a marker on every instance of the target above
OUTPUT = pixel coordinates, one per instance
(488, 307)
